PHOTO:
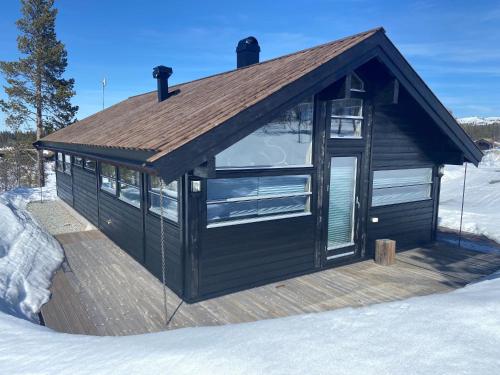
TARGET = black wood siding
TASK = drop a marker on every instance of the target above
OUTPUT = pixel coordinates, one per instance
(403, 137)
(409, 224)
(240, 256)
(173, 245)
(122, 223)
(134, 230)
(64, 187)
(85, 194)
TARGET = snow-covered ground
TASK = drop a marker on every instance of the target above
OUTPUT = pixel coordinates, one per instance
(28, 255)
(482, 197)
(453, 333)
(474, 120)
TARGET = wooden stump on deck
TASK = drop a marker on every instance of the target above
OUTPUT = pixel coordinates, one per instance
(385, 252)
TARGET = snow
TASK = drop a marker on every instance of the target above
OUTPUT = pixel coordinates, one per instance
(453, 333)
(482, 197)
(474, 120)
(28, 254)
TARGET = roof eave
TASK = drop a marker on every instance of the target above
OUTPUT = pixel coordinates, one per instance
(419, 90)
(136, 159)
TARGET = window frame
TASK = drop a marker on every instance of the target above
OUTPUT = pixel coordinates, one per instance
(80, 164)
(67, 165)
(60, 162)
(430, 184)
(157, 214)
(85, 167)
(119, 183)
(309, 171)
(115, 194)
(346, 117)
(291, 167)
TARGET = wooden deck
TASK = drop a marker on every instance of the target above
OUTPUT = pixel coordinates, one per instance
(100, 290)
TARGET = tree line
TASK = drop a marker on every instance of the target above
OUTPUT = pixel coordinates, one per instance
(490, 131)
(38, 96)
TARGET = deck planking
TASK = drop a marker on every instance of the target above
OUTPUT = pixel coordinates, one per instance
(101, 290)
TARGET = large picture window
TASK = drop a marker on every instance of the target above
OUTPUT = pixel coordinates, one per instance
(236, 200)
(284, 142)
(169, 201)
(108, 178)
(346, 118)
(129, 186)
(401, 186)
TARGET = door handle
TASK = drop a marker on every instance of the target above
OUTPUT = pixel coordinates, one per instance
(357, 202)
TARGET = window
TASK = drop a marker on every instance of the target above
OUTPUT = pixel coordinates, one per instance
(60, 162)
(401, 186)
(170, 198)
(67, 164)
(108, 178)
(256, 198)
(89, 165)
(284, 142)
(346, 118)
(78, 161)
(342, 201)
(356, 83)
(129, 186)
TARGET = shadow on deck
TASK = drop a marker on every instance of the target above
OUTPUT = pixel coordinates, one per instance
(101, 290)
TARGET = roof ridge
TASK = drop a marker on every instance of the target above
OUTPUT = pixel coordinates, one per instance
(374, 30)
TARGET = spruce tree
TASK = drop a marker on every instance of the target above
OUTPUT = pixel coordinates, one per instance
(36, 90)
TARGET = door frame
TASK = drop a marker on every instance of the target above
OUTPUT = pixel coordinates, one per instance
(358, 238)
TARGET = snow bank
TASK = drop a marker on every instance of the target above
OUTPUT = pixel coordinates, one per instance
(454, 333)
(28, 254)
(482, 197)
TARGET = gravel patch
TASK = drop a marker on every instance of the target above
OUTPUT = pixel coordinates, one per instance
(56, 218)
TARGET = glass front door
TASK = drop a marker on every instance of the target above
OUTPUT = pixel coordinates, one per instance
(342, 207)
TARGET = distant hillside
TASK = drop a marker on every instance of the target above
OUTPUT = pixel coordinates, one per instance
(481, 127)
(475, 120)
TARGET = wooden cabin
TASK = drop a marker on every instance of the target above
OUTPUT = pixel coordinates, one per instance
(268, 171)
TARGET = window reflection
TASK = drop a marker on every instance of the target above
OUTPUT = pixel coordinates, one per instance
(284, 142)
(346, 118)
(401, 186)
(230, 199)
(169, 198)
(129, 186)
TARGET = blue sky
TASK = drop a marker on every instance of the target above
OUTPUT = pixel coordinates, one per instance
(453, 45)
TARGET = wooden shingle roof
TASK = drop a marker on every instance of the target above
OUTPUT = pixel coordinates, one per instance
(142, 123)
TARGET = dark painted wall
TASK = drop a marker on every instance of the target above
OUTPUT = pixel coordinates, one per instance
(85, 193)
(237, 256)
(64, 187)
(133, 229)
(122, 223)
(403, 137)
(173, 253)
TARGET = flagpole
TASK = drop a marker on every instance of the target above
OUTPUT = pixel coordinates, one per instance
(103, 86)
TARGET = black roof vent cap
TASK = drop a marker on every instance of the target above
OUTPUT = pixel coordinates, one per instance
(162, 73)
(247, 52)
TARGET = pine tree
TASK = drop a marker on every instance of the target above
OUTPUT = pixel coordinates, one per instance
(37, 92)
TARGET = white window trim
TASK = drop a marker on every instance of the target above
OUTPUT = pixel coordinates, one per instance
(168, 194)
(430, 183)
(257, 219)
(249, 168)
(258, 197)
